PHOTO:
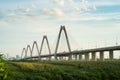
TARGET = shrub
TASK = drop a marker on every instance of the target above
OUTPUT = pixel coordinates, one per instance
(57, 77)
(3, 69)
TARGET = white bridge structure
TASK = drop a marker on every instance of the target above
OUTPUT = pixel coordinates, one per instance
(61, 55)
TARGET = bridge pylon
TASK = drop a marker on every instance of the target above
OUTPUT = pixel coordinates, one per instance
(58, 40)
(23, 51)
(35, 44)
(45, 38)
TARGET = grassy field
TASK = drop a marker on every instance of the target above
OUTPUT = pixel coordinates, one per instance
(64, 70)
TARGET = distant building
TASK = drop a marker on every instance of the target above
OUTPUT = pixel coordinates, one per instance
(17, 57)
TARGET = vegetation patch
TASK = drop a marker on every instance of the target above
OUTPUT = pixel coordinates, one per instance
(3, 69)
(64, 70)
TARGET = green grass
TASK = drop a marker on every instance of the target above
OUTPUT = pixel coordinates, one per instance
(64, 70)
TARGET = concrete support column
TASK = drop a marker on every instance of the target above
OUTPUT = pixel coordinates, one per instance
(80, 56)
(49, 58)
(111, 55)
(61, 58)
(66, 57)
(87, 56)
(102, 55)
(75, 56)
(94, 56)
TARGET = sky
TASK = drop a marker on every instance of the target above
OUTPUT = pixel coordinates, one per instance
(89, 23)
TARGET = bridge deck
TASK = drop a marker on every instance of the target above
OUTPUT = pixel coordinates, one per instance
(80, 51)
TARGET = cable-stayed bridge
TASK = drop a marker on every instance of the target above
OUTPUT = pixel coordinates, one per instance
(78, 54)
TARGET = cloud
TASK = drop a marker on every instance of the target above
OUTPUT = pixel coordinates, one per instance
(94, 17)
(106, 2)
(73, 5)
(94, 7)
(25, 10)
(34, 6)
(80, 6)
(12, 14)
(84, 5)
(3, 23)
(54, 12)
(59, 2)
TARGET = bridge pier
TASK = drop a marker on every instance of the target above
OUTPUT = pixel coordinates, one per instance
(61, 58)
(111, 54)
(94, 56)
(87, 56)
(75, 57)
(50, 58)
(102, 55)
(80, 56)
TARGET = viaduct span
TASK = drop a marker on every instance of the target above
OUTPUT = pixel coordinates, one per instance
(77, 54)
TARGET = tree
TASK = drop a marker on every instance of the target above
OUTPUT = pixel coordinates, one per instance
(3, 70)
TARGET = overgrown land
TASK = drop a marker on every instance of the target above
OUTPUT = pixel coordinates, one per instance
(63, 70)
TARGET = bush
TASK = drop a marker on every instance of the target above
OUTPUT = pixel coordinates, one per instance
(3, 69)
(39, 78)
(47, 75)
(57, 77)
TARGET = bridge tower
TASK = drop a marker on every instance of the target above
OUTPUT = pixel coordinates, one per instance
(28, 48)
(23, 51)
(45, 38)
(35, 44)
(58, 40)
